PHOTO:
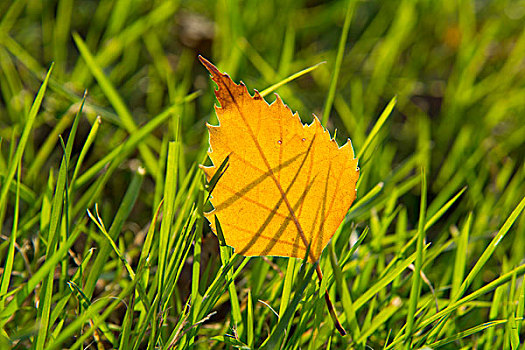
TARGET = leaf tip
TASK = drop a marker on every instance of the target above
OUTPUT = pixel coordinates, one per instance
(209, 66)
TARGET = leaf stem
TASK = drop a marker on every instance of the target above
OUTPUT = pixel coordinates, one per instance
(330, 305)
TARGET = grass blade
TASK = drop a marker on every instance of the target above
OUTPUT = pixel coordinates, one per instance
(338, 61)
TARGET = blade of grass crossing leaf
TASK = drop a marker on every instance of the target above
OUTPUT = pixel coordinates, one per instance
(416, 276)
(338, 61)
(116, 101)
(22, 144)
(213, 181)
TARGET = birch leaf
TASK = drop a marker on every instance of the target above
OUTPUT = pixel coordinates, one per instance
(287, 185)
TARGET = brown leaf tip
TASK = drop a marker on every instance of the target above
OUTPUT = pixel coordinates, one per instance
(215, 72)
(209, 66)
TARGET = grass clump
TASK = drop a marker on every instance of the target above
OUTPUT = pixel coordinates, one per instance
(103, 241)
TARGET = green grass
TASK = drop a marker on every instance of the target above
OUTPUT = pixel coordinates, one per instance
(102, 126)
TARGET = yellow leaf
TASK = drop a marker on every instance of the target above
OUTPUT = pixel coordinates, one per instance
(287, 185)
